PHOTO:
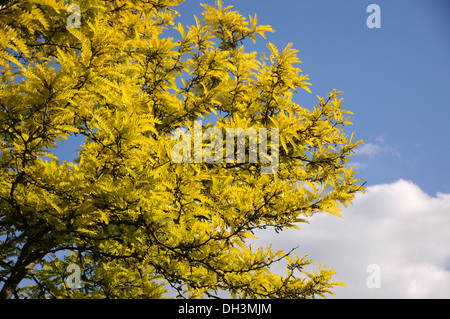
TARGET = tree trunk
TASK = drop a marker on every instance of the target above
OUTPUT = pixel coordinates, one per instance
(19, 272)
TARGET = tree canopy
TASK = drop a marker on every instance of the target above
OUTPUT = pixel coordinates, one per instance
(137, 223)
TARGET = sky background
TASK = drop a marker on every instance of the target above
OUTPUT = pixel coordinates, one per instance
(396, 80)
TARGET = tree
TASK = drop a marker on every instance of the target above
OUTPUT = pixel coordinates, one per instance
(136, 222)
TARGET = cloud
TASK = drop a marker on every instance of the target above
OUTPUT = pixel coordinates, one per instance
(371, 149)
(396, 226)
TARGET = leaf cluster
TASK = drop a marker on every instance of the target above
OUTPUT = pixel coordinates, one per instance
(138, 224)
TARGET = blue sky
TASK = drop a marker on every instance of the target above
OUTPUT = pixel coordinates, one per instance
(396, 80)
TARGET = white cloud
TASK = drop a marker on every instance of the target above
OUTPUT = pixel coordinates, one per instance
(371, 149)
(396, 226)
(381, 138)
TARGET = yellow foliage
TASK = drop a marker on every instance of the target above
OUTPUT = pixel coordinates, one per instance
(131, 218)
